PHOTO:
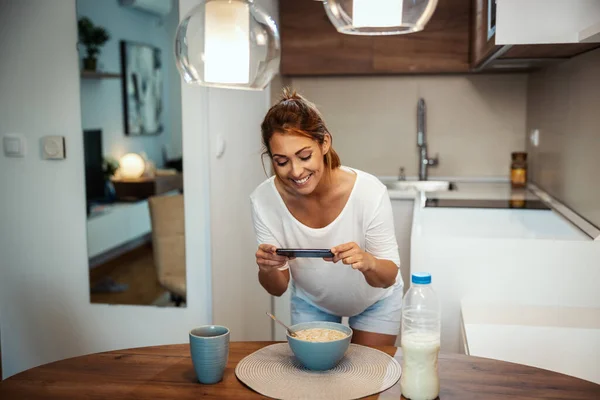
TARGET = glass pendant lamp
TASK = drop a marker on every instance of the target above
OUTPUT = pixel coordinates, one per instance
(379, 17)
(228, 44)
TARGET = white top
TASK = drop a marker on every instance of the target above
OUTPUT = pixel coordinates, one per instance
(366, 219)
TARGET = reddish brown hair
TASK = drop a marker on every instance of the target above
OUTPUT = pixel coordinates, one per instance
(295, 115)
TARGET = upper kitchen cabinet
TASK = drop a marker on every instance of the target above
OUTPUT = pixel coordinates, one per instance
(310, 45)
(547, 21)
(525, 34)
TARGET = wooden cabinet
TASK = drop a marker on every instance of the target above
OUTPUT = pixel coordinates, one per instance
(486, 55)
(454, 41)
(142, 188)
(311, 45)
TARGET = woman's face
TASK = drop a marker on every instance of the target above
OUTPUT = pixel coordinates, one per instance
(298, 161)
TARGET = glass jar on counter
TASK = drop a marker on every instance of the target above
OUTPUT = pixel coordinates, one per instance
(518, 169)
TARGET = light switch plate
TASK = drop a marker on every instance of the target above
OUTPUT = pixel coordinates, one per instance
(53, 147)
(14, 145)
(220, 146)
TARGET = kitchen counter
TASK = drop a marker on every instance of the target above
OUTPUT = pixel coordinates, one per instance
(557, 338)
(533, 257)
(468, 190)
(471, 190)
(486, 223)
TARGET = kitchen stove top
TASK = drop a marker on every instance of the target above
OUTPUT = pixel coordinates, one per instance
(485, 203)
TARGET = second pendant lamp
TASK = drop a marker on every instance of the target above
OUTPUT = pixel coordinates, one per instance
(379, 17)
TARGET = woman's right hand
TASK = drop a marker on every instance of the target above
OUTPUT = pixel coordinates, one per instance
(268, 260)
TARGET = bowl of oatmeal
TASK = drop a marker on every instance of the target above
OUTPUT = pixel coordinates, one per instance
(319, 346)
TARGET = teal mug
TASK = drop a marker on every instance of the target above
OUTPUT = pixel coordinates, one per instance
(209, 348)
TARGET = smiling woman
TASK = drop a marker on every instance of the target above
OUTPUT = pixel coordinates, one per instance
(313, 201)
(296, 118)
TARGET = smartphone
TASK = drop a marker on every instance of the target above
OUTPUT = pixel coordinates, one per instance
(314, 253)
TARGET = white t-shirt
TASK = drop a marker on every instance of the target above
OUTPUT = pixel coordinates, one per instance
(366, 219)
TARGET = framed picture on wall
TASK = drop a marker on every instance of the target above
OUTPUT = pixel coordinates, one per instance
(143, 74)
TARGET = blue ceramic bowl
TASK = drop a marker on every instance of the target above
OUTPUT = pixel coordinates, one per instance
(320, 356)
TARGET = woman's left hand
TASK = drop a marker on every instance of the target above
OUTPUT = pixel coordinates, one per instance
(352, 254)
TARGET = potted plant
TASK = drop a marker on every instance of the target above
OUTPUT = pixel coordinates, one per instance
(109, 167)
(92, 37)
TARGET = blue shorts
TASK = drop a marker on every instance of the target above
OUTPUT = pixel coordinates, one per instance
(382, 317)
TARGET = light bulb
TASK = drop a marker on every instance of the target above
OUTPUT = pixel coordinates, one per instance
(131, 166)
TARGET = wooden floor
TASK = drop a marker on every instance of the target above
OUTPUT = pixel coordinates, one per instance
(134, 268)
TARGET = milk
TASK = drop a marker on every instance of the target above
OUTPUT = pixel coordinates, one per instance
(420, 379)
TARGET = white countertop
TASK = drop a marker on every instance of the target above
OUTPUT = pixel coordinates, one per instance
(484, 190)
(495, 223)
(469, 190)
(487, 223)
(536, 257)
(561, 339)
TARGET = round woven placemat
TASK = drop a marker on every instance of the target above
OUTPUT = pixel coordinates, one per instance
(273, 371)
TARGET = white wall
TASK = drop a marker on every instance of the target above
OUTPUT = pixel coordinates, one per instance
(239, 301)
(45, 313)
(473, 122)
(563, 106)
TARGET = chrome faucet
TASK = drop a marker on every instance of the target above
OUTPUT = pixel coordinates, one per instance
(401, 174)
(424, 161)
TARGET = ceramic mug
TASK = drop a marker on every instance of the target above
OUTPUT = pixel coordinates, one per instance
(209, 348)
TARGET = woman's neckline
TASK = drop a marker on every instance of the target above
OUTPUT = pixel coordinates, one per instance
(337, 218)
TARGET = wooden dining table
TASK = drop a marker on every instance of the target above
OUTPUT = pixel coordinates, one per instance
(166, 372)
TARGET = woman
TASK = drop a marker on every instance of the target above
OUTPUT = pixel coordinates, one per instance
(312, 201)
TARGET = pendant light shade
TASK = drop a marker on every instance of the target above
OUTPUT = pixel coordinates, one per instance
(228, 44)
(379, 17)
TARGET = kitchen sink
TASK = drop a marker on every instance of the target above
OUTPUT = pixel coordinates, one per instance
(421, 186)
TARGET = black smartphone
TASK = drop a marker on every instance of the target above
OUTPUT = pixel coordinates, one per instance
(313, 253)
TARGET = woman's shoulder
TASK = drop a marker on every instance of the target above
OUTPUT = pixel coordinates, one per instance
(366, 182)
(369, 194)
(263, 192)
